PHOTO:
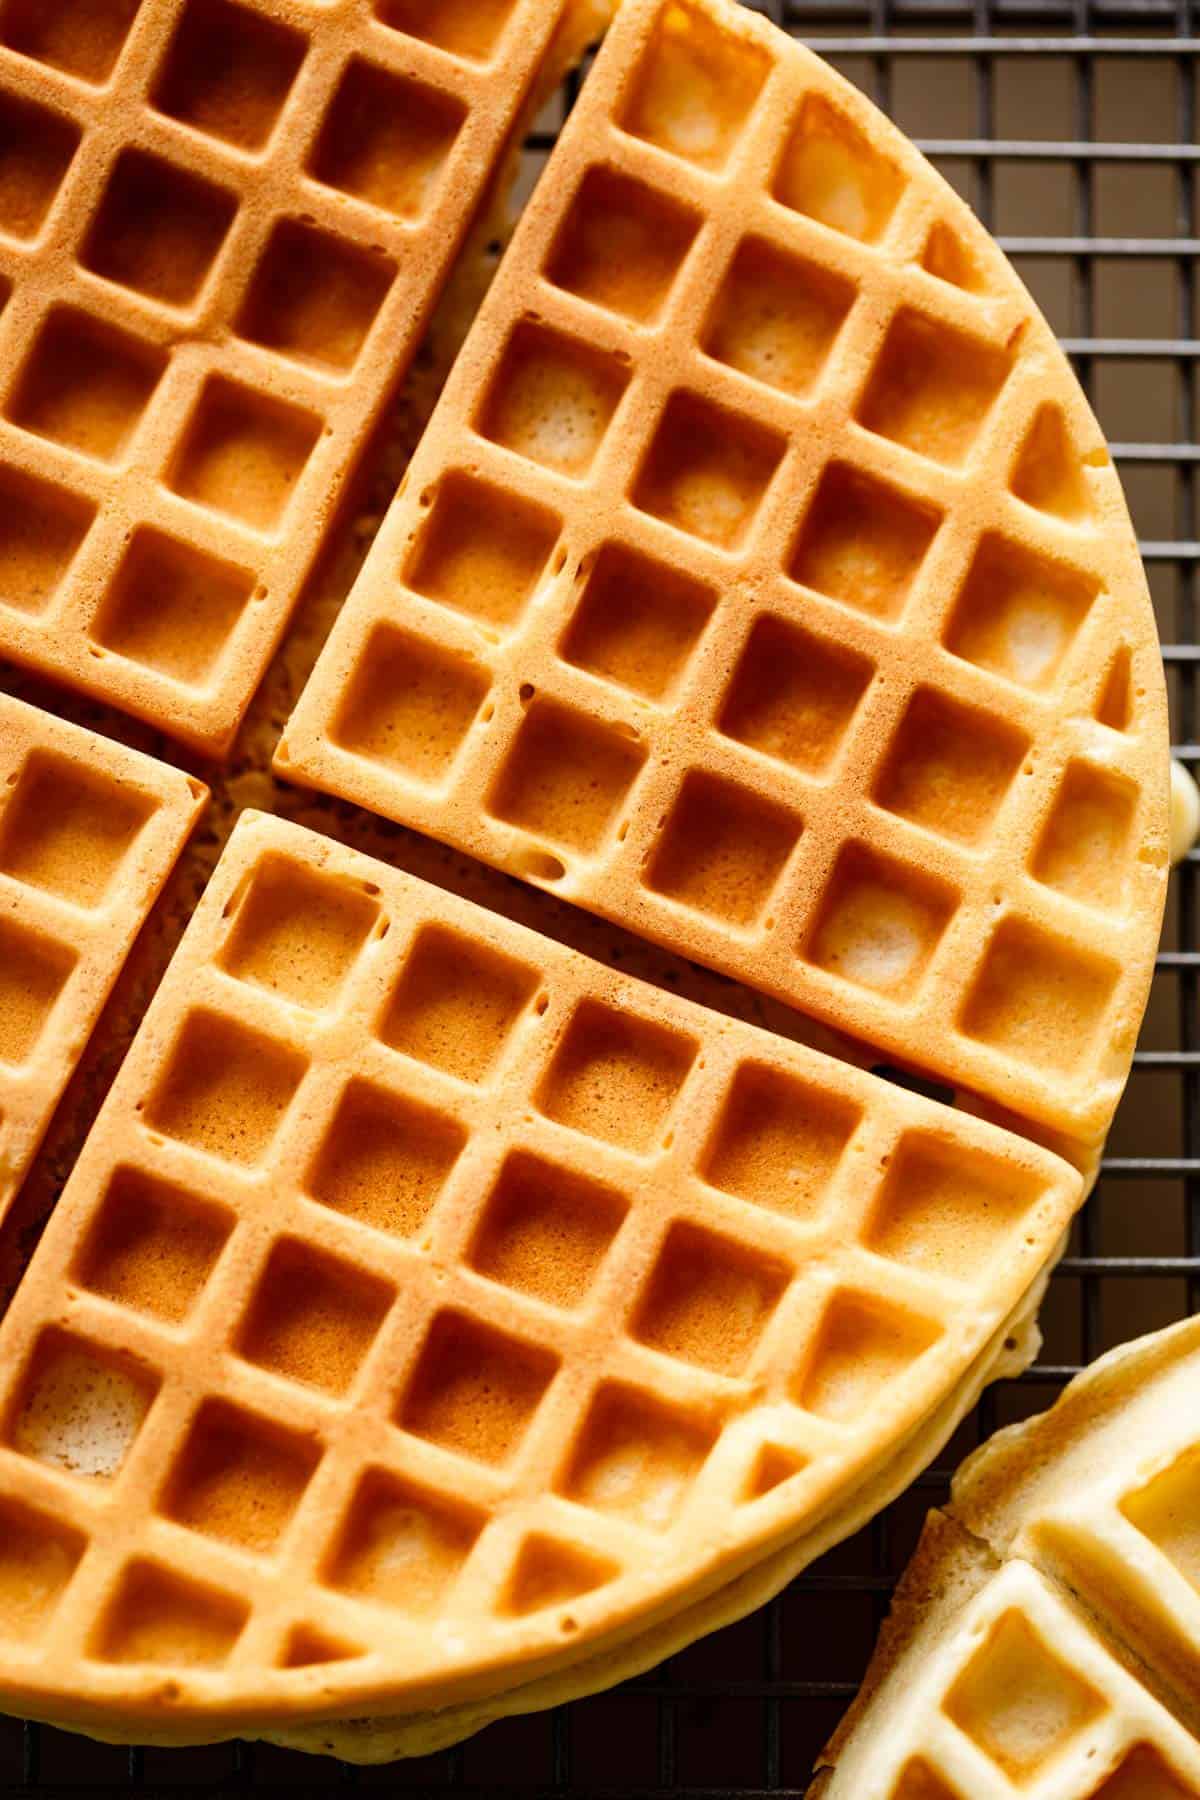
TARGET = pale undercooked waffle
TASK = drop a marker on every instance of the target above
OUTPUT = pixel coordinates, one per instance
(222, 226)
(1046, 1640)
(431, 1307)
(89, 832)
(763, 583)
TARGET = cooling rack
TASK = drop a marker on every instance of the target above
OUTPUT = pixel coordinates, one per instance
(1071, 127)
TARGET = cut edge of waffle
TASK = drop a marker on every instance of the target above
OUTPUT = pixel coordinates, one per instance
(255, 1348)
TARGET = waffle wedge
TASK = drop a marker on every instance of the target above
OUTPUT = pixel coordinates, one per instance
(1046, 1640)
(763, 583)
(431, 1308)
(89, 832)
(223, 224)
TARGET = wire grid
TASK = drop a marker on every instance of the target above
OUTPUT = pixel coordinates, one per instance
(1058, 170)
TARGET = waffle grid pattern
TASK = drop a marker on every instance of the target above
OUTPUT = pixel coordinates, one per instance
(1131, 1540)
(765, 780)
(704, 1356)
(222, 226)
(89, 832)
(1028, 1701)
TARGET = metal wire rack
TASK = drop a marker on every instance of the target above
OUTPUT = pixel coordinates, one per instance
(1070, 125)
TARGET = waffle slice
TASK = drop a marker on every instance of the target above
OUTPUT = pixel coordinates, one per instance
(89, 832)
(431, 1307)
(762, 583)
(1046, 1639)
(223, 224)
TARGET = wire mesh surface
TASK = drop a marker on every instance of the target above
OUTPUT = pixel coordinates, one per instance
(1070, 125)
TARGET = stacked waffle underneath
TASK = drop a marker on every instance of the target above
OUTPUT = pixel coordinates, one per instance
(429, 1300)
(222, 226)
(89, 832)
(1045, 1638)
(763, 584)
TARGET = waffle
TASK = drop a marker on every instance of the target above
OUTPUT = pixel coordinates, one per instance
(431, 1307)
(763, 583)
(89, 832)
(223, 224)
(1046, 1639)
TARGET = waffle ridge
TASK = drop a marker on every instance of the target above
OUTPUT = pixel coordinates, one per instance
(89, 832)
(302, 1436)
(1045, 1637)
(223, 224)
(763, 584)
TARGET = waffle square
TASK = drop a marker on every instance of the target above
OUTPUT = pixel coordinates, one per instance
(762, 583)
(426, 1292)
(223, 225)
(89, 832)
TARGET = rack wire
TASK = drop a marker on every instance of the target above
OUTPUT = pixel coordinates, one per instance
(1070, 125)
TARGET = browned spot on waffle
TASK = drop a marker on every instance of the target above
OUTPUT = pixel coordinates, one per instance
(637, 623)
(546, 1573)
(546, 1231)
(159, 1617)
(37, 1559)
(778, 1143)
(622, 245)
(481, 553)
(153, 1247)
(455, 1004)
(385, 1159)
(475, 1390)
(862, 1345)
(929, 1217)
(401, 1547)
(616, 1076)
(919, 1781)
(314, 1317)
(411, 704)
(239, 1477)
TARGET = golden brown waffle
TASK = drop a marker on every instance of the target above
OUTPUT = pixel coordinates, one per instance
(89, 832)
(1046, 1640)
(222, 226)
(763, 583)
(431, 1305)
